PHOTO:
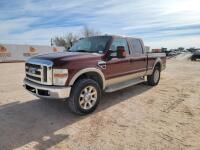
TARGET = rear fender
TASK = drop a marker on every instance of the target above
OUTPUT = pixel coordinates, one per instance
(158, 60)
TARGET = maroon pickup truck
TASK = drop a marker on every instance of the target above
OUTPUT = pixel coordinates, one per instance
(92, 66)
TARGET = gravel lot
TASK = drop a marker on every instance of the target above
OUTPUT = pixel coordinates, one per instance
(141, 117)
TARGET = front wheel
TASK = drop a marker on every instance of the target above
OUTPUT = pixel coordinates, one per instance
(85, 96)
(155, 77)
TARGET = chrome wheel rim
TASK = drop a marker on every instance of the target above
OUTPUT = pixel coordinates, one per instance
(156, 76)
(88, 97)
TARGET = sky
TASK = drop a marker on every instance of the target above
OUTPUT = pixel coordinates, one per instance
(166, 23)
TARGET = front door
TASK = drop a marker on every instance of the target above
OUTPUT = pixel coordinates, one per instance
(117, 68)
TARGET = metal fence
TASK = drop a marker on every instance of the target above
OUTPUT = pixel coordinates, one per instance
(14, 53)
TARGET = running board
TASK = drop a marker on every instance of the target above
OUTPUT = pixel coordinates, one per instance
(123, 85)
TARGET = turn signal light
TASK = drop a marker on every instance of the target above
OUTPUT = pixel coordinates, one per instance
(60, 75)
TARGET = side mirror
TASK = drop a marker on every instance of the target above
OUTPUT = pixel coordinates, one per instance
(121, 53)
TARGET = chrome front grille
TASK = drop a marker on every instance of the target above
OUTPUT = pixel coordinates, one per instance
(39, 71)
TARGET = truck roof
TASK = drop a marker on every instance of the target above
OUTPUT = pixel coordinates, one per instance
(118, 36)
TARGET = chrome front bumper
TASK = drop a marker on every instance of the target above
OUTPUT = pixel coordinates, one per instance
(47, 92)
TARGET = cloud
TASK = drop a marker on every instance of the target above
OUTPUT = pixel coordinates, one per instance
(34, 21)
(18, 24)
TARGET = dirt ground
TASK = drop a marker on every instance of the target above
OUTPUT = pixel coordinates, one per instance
(140, 117)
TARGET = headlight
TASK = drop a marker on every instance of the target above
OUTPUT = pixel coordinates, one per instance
(60, 76)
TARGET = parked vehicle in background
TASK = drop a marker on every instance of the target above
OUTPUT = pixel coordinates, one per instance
(156, 50)
(92, 66)
(172, 54)
(195, 56)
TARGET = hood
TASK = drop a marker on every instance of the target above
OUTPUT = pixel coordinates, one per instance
(61, 58)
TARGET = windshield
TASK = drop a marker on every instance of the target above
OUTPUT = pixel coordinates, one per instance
(91, 44)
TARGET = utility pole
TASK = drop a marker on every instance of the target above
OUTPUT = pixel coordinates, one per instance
(51, 42)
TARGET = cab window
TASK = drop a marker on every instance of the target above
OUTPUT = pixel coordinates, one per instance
(119, 42)
(137, 47)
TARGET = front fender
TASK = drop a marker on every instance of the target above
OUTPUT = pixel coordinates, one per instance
(87, 70)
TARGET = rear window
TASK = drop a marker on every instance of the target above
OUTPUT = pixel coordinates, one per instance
(136, 46)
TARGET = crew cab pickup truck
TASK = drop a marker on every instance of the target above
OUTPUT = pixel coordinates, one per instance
(92, 66)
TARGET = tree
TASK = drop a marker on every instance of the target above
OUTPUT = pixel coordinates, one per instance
(65, 41)
(181, 48)
(192, 49)
(68, 40)
(87, 32)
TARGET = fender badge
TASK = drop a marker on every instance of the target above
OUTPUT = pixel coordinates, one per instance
(102, 64)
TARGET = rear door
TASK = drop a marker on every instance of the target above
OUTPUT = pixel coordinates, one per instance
(138, 59)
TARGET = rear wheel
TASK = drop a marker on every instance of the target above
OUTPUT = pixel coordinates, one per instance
(85, 96)
(194, 59)
(155, 77)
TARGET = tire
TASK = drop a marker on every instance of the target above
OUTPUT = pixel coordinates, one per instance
(154, 79)
(83, 99)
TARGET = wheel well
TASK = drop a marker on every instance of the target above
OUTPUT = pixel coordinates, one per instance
(158, 65)
(91, 75)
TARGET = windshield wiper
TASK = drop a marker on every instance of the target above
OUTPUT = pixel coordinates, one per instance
(86, 51)
(77, 51)
(82, 50)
